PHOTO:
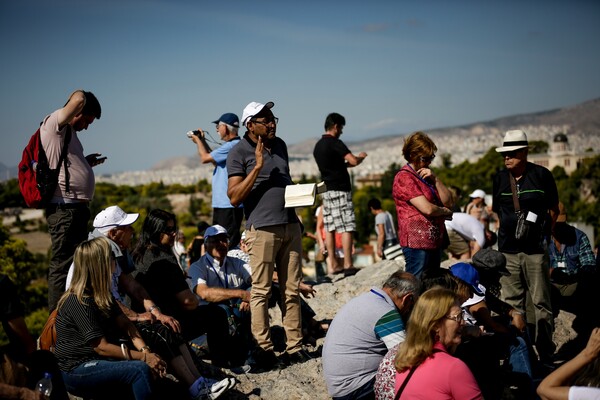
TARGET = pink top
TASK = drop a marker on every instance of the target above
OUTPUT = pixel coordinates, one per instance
(440, 377)
(414, 229)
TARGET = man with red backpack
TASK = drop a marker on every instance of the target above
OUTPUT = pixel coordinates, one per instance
(67, 211)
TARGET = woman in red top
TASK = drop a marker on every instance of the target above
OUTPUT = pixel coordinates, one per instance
(422, 204)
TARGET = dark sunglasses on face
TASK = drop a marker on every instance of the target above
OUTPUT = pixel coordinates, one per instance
(169, 230)
(428, 159)
(510, 154)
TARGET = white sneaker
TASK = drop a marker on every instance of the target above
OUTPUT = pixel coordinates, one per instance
(206, 388)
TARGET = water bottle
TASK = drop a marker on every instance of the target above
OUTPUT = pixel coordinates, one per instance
(44, 385)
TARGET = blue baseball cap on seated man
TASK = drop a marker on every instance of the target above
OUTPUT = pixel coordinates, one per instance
(229, 119)
(467, 273)
(214, 230)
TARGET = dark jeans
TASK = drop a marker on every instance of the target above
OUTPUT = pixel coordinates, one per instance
(161, 339)
(419, 260)
(366, 392)
(67, 225)
(96, 377)
(230, 219)
(209, 320)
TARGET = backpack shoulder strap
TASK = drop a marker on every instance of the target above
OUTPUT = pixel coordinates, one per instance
(63, 157)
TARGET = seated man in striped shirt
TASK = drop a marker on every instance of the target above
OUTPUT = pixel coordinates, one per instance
(362, 332)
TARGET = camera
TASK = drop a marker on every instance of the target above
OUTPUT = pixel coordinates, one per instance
(193, 133)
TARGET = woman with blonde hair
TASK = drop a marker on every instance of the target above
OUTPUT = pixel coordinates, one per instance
(424, 364)
(87, 312)
(423, 202)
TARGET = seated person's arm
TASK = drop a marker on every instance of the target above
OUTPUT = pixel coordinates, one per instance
(105, 349)
(502, 308)
(187, 300)
(218, 294)
(482, 313)
(18, 327)
(136, 291)
(556, 385)
(10, 392)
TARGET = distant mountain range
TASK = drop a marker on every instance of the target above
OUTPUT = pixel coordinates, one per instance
(580, 122)
(582, 119)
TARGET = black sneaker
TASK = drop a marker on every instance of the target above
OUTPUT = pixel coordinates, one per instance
(265, 360)
(297, 357)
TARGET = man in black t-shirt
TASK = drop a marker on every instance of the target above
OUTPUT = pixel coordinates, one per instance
(526, 257)
(334, 158)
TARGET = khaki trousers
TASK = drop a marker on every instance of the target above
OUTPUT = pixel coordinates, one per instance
(276, 248)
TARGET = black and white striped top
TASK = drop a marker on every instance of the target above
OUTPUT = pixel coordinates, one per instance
(77, 325)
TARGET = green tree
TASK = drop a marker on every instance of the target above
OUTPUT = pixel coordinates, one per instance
(538, 147)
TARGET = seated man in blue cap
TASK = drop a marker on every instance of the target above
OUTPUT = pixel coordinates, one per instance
(492, 339)
(224, 280)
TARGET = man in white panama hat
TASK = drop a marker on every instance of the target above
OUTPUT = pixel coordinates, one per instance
(529, 190)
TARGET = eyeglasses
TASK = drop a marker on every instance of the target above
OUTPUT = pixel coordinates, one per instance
(274, 121)
(169, 230)
(458, 318)
(510, 154)
(428, 159)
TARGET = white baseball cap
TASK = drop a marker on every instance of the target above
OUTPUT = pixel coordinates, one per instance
(112, 217)
(253, 109)
(477, 193)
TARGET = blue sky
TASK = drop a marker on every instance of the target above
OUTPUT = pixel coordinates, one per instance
(161, 68)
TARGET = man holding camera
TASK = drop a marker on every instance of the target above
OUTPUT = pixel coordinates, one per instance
(529, 190)
(224, 213)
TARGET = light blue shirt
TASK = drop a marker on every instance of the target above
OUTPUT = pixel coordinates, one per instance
(220, 177)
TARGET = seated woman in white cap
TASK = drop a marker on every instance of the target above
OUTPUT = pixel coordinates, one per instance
(477, 207)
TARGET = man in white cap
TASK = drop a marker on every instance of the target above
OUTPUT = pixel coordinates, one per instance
(259, 171)
(116, 225)
(526, 191)
(224, 213)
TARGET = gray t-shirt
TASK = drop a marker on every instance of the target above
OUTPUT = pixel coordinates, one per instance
(264, 206)
(361, 333)
(385, 218)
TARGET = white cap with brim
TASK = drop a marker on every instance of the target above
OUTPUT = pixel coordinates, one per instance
(513, 140)
(477, 193)
(113, 217)
(253, 109)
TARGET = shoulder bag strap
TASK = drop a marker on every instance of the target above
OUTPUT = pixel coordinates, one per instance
(63, 158)
(399, 393)
(410, 374)
(513, 187)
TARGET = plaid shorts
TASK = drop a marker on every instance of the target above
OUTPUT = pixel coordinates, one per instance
(338, 211)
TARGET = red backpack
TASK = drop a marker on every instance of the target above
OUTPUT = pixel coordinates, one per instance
(37, 180)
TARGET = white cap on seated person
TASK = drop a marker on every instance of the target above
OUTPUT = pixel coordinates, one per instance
(113, 216)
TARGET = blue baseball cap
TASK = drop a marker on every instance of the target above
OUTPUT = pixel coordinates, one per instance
(229, 119)
(467, 273)
(214, 230)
